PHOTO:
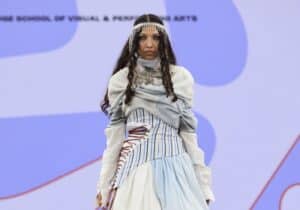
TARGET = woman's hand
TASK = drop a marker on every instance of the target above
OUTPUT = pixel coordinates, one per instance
(98, 200)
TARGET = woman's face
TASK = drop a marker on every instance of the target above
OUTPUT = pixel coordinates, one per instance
(148, 42)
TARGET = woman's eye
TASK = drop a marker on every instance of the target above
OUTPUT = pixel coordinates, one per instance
(156, 37)
(142, 37)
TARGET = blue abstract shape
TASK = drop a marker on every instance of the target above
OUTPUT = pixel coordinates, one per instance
(285, 175)
(206, 137)
(19, 38)
(213, 48)
(37, 149)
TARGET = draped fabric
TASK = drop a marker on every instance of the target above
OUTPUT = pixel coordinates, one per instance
(153, 98)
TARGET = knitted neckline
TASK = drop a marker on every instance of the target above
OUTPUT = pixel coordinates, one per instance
(149, 65)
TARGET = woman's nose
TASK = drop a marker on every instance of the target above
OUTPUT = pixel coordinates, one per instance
(149, 43)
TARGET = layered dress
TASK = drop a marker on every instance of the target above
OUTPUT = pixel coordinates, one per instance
(152, 160)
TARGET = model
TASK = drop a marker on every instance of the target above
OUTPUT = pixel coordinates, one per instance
(152, 160)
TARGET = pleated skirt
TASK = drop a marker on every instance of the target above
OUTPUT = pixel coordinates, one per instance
(167, 183)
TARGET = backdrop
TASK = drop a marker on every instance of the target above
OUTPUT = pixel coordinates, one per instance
(55, 61)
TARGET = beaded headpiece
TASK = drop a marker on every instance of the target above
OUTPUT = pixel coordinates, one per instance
(149, 25)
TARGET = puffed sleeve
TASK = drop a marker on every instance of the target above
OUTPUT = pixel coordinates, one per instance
(114, 132)
(187, 130)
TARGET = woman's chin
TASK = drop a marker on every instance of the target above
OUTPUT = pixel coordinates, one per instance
(149, 57)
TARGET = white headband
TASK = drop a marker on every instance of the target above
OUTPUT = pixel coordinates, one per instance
(162, 27)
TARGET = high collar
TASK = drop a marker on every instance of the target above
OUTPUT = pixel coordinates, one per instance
(153, 64)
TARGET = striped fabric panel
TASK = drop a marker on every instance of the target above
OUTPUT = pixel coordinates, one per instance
(148, 138)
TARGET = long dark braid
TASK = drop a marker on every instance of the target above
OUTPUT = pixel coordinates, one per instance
(165, 68)
(129, 59)
(131, 66)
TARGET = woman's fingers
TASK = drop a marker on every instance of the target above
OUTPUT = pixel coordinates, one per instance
(99, 199)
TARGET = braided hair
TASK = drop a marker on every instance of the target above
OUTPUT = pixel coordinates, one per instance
(129, 58)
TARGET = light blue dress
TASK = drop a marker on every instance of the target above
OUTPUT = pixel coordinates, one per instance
(154, 170)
